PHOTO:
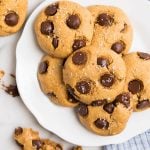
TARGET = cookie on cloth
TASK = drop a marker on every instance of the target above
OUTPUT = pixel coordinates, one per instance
(104, 118)
(12, 15)
(94, 74)
(138, 79)
(63, 27)
(50, 78)
(112, 28)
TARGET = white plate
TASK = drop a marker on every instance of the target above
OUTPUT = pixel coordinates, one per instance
(60, 120)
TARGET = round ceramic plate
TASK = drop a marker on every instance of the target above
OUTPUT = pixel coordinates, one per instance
(60, 120)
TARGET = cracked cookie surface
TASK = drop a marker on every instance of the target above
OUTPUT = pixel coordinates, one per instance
(112, 28)
(105, 118)
(12, 15)
(94, 74)
(50, 78)
(138, 79)
(63, 27)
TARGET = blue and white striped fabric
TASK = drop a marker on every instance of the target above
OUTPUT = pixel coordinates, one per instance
(140, 142)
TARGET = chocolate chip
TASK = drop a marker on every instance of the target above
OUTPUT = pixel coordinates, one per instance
(37, 144)
(107, 80)
(78, 44)
(71, 94)
(51, 94)
(105, 20)
(101, 123)
(12, 90)
(79, 58)
(124, 99)
(55, 42)
(82, 109)
(59, 147)
(135, 86)
(99, 102)
(103, 62)
(109, 107)
(144, 56)
(47, 27)
(124, 28)
(11, 19)
(83, 87)
(118, 47)
(43, 67)
(143, 104)
(73, 21)
(51, 10)
(18, 131)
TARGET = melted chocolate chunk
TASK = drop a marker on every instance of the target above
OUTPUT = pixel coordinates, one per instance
(144, 56)
(55, 42)
(103, 62)
(101, 124)
(109, 108)
(135, 86)
(73, 21)
(82, 109)
(37, 144)
(11, 19)
(105, 20)
(83, 87)
(12, 90)
(79, 58)
(43, 67)
(51, 10)
(143, 104)
(123, 99)
(47, 27)
(99, 102)
(118, 47)
(107, 80)
(18, 131)
(78, 44)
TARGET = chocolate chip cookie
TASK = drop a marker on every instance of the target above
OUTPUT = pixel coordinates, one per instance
(94, 74)
(138, 79)
(50, 78)
(104, 118)
(63, 27)
(12, 16)
(30, 140)
(112, 28)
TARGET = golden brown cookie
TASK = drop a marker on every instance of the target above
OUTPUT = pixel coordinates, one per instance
(21, 135)
(94, 74)
(12, 15)
(63, 27)
(138, 79)
(112, 28)
(105, 118)
(30, 140)
(50, 78)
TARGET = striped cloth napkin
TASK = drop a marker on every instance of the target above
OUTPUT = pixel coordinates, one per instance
(140, 142)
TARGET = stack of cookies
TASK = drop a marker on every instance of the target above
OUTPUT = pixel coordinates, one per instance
(88, 67)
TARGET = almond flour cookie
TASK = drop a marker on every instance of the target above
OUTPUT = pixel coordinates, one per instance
(12, 16)
(50, 78)
(105, 118)
(112, 28)
(94, 74)
(63, 27)
(138, 79)
(30, 140)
